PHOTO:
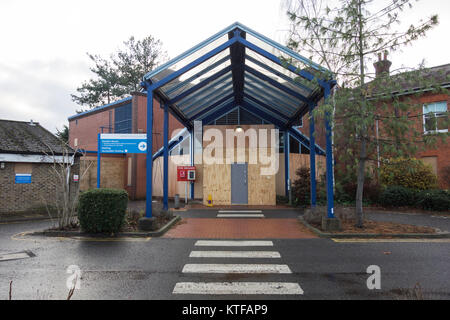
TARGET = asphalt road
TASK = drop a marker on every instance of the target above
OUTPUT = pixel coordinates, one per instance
(152, 268)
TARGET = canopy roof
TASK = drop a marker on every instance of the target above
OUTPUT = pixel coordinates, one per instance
(239, 67)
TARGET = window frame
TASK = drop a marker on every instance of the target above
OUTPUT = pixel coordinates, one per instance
(424, 115)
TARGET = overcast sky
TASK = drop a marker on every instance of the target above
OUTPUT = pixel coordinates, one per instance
(44, 43)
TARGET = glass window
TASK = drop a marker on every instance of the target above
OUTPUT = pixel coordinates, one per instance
(122, 119)
(435, 117)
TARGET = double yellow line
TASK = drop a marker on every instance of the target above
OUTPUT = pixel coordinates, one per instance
(357, 240)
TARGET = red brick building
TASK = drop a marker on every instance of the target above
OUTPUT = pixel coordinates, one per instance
(427, 104)
(430, 112)
(125, 116)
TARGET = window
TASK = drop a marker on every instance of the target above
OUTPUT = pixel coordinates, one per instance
(122, 119)
(435, 117)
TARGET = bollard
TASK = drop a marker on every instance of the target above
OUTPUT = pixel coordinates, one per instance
(177, 201)
(209, 202)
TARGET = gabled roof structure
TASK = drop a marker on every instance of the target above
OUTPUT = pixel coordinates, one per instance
(20, 137)
(240, 67)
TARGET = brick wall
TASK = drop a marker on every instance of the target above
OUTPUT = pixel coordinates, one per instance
(30, 197)
(319, 129)
(442, 149)
(112, 172)
(86, 128)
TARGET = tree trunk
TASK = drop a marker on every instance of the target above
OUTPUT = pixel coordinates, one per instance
(360, 184)
(363, 131)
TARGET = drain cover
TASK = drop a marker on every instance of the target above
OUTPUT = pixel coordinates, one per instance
(16, 255)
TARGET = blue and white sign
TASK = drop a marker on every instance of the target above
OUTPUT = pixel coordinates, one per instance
(23, 178)
(123, 143)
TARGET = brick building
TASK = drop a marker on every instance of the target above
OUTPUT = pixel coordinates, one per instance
(27, 153)
(128, 171)
(129, 115)
(430, 111)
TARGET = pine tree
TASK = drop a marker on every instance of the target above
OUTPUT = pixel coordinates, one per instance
(345, 39)
(121, 73)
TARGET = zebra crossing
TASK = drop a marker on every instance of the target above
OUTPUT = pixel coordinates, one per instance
(240, 214)
(229, 249)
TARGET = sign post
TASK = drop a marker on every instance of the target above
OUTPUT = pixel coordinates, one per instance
(119, 143)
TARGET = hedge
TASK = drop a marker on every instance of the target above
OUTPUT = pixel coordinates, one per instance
(433, 199)
(398, 196)
(437, 200)
(102, 210)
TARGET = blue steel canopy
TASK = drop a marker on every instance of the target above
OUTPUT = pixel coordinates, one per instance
(239, 67)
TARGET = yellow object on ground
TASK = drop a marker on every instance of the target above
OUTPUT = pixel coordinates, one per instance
(209, 202)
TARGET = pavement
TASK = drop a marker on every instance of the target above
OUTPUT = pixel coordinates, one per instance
(238, 268)
(437, 220)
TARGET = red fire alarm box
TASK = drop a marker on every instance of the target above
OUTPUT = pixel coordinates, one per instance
(185, 173)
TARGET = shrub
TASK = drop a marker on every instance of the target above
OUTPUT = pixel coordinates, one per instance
(102, 210)
(409, 173)
(301, 187)
(437, 200)
(397, 196)
(346, 185)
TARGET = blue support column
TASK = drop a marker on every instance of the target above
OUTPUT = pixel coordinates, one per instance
(192, 161)
(99, 147)
(312, 156)
(329, 156)
(149, 175)
(166, 159)
(286, 161)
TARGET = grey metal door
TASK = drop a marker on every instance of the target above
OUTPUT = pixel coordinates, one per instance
(239, 183)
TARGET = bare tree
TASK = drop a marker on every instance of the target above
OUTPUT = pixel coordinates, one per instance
(64, 164)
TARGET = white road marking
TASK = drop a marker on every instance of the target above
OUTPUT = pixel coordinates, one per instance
(235, 254)
(233, 243)
(237, 288)
(13, 256)
(236, 268)
(238, 215)
(240, 211)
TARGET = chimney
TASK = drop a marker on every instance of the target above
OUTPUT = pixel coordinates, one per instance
(382, 66)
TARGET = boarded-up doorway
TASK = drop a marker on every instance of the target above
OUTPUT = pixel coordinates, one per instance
(239, 183)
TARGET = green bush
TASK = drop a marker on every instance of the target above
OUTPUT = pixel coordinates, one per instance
(409, 173)
(398, 196)
(102, 210)
(436, 200)
(346, 185)
(301, 187)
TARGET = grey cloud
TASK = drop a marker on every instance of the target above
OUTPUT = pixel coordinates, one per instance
(40, 90)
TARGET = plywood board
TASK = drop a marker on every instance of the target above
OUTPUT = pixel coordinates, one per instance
(297, 160)
(217, 183)
(175, 187)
